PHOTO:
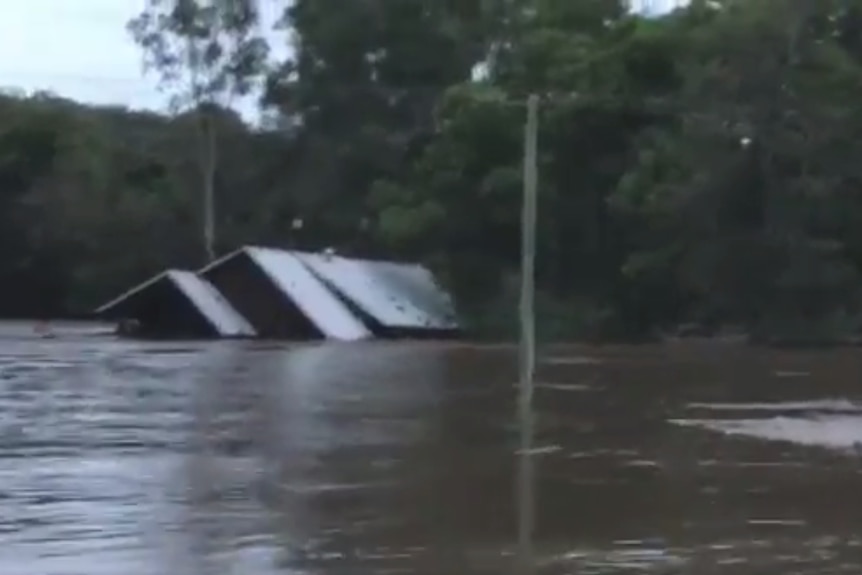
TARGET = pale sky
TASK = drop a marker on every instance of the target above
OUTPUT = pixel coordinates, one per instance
(80, 49)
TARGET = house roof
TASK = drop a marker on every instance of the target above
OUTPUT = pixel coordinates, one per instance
(337, 294)
(396, 295)
(207, 300)
(314, 299)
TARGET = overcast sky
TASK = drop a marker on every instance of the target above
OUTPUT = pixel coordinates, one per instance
(80, 49)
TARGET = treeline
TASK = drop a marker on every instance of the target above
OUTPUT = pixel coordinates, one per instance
(699, 168)
(94, 200)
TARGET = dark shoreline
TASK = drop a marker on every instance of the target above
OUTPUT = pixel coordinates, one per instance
(732, 337)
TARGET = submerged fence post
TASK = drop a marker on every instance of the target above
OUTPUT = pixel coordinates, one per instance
(525, 495)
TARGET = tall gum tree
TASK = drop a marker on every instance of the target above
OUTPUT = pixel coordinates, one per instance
(206, 53)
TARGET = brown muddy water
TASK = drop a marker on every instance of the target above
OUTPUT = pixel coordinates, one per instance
(240, 458)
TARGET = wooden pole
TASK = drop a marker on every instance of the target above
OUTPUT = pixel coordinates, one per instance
(525, 495)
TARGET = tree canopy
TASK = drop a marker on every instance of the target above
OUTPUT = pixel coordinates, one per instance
(696, 167)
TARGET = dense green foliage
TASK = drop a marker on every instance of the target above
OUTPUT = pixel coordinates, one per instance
(695, 168)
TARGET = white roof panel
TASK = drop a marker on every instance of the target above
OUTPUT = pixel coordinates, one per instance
(331, 316)
(211, 304)
(396, 295)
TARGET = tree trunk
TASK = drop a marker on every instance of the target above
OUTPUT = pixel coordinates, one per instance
(208, 172)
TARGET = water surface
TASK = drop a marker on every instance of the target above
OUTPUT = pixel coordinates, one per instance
(263, 459)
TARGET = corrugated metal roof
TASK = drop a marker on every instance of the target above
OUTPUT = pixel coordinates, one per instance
(212, 305)
(223, 318)
(396, 295)
(332, 317)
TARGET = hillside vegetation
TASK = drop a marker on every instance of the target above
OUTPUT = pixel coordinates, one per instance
(702, 167)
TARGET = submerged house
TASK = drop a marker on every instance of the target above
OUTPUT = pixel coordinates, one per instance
(281, 297)
(279, 294)
(393, 299)
(177, 303)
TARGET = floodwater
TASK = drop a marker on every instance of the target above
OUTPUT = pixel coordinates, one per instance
(241, 458)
